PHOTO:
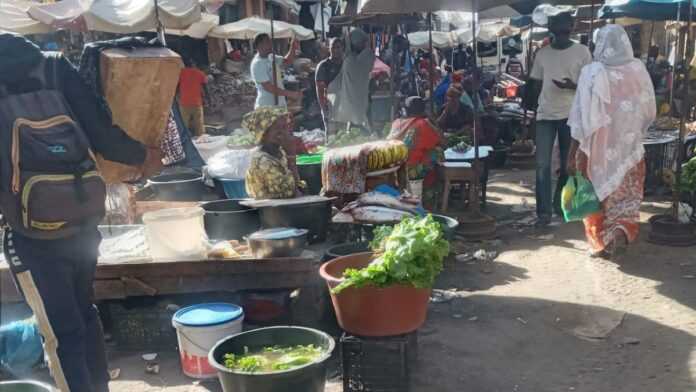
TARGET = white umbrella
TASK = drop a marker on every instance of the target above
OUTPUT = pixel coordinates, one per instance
(441, 39)
(14, 18)
(200, 29)
(249, 28)
(119, 16)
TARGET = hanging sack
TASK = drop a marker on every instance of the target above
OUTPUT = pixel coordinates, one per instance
(49, 184)
(578, 199)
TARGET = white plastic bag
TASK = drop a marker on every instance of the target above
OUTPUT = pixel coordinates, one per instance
(208, 145)
(229, 164)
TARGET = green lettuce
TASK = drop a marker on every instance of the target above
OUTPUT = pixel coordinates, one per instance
(412, 252)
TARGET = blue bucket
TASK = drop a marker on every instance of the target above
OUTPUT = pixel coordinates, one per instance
(232, 188)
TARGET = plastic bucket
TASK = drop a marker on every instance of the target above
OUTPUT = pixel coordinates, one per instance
(199, 328)
(416, 188)
(232, 188)
(176, 233)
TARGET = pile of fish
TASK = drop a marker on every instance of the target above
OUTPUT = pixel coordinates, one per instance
(379, 208)
(229, 89)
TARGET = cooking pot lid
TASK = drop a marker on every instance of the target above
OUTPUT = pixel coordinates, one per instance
(278, 233)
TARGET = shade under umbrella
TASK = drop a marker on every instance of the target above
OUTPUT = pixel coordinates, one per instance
(649, 10)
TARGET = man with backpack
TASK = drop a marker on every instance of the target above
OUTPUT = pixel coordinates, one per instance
(52, 199)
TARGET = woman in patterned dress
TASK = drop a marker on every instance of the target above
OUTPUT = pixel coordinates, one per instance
(424, 143)
(269, 175)
(614, 107)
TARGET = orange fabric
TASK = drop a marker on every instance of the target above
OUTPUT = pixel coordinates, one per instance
(620, 211)
(422, 140)
(191, 83)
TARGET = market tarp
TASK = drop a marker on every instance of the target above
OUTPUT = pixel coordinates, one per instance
(646, 9)
(249, 28)
(118, 16)
(412, 6)
(200, 29)
(441, 39)
(14, 18)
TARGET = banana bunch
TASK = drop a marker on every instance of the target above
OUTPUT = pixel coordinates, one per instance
(387, 154)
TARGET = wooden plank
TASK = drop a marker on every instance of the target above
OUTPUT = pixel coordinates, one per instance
(205, 267)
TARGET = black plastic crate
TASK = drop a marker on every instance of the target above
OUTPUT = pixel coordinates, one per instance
(377, 364)
(141, 327)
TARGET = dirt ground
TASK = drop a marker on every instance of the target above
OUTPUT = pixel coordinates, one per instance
(541, 317)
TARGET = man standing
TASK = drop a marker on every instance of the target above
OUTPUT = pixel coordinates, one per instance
(269, 86)
(327, 70)
(191, 84)
(56, 275)
(556, 71)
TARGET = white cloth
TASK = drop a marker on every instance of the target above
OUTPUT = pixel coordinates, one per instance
(262, 72)
(14, 18)
(314, 8)
(553, 64)
(352, 85)
(612, 111)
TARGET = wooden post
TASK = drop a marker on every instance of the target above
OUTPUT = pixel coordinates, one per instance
(431, 71)
(273, 60)
(685, 109)
(590, 38)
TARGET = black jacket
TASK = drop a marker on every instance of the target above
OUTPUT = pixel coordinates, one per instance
(18, 57)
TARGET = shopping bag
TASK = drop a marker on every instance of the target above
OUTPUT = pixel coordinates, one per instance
(578, 199)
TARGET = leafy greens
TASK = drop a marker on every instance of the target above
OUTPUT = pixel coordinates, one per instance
(412, 252)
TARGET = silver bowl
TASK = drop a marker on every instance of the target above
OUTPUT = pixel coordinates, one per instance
(278, 242)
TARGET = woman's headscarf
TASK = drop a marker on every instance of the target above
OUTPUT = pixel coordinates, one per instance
(415, 107)
(612, 46)
(260, 120)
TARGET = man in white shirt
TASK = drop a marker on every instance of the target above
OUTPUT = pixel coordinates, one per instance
(268, 87)
(556, 70)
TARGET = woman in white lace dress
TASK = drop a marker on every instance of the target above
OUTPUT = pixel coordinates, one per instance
(613, 109)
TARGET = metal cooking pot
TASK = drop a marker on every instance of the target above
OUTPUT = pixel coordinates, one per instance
(278, 242)
(178, 187)
(313, 216)
(229, 220)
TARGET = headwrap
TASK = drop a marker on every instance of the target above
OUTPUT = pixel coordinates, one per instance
(415, 106)
(613, 47)
(260, 120)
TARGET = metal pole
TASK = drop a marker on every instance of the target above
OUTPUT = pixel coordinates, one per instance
(677, 52)
(685, 109)
(323, 29)
(431, 71)
(652, 33)
(529, 48)
(592, 14)
(475, 205)
(273, 60)
(161, 33)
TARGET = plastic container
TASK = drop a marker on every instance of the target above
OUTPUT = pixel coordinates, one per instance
(311, 174)
(308, 378)
(25, 386)
(232, 188)
(176, 233)
(370, 310)
(416, 188)
(199, 328)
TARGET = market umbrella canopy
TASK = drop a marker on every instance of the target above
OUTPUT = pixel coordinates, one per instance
(249, 28)
(200, 29)
(14, 18)
(118, 16)
(647, 9)
(441, 40)
(412, 6)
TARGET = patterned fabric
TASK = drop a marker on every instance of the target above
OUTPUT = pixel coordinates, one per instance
(269, 177)
(620, 210)
(344, 170)
(613, 108)
(423, 142)
(171, 146)
(260, 120)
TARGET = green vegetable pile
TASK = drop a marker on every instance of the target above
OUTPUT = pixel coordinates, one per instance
(273, 358)
(350, 137)
(688, 177)
(237, 139)
(412, 252)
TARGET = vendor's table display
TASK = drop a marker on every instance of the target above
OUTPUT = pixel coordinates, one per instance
(459, 167)
(660, 151)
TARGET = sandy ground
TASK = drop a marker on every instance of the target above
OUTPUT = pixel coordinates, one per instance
(542, 316)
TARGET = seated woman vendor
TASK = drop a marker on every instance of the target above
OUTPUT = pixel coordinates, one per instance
(270, 175)
(424, 142)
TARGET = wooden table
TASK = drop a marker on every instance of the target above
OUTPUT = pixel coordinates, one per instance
(123, 280)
